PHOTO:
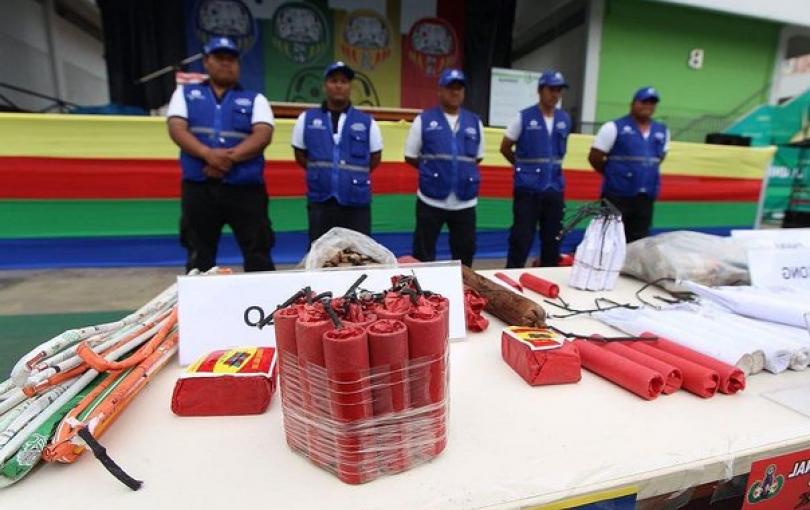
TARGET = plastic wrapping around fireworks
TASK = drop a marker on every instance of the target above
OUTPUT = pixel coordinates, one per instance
(365, 398)
(600, 256)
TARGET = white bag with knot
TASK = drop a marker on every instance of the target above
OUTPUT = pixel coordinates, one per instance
(338, 239)
(600, 255)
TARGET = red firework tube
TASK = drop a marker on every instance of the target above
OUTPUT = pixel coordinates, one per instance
(442, 304)
(289, 371)
(285, 320)
(697, 379)
(509, 281)
(732, 379)
(638, 379)
(673, 379)
(388, 359)
(427, 346)
(309, 339)
(347, 368)
(539, 285)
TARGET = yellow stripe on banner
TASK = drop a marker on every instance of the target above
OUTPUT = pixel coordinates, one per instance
(124, 137)
(587, 499)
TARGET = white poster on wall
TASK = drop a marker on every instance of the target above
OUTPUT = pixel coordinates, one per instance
(220, 312)
(511, 90)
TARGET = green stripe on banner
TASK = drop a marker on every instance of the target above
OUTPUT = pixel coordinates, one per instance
(390, 213)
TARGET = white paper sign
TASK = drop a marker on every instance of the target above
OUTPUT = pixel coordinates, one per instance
(772, 238)
(511, 90)
(212, 309)
(779, 267)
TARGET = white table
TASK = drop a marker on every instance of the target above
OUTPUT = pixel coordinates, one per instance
(510, 445)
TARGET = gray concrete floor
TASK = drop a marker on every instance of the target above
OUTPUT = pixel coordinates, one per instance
(50, 291)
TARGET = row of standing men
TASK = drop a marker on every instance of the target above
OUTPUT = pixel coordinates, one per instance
(223, 129)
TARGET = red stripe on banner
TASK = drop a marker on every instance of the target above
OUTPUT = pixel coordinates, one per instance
(78, 178)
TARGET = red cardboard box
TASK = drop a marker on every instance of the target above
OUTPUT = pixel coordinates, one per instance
(540, 356)
(227, 383)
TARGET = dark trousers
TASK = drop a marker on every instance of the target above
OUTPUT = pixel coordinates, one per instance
(461, 230)
(323, 216)
(531, 210)
(637, 214)
(206, 207)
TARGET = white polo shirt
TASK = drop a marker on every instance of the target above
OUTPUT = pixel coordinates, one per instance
(262, 113)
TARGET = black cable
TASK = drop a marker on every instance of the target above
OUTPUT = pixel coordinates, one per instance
(101, 454)
(680, 297)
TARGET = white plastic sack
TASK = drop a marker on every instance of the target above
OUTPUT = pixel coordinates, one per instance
(600, 255)
(684, 255)
(339, 239)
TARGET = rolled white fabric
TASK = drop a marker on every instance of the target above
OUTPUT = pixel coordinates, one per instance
(777, 353)
(636, 322)
(694, 326)
(765, 333)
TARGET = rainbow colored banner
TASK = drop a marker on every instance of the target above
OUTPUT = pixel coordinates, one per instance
(104, 191)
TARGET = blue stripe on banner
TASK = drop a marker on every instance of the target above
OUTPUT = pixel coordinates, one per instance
(623, 503)
(166, 250)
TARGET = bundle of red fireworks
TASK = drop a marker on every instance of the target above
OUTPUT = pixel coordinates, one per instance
(364, 378)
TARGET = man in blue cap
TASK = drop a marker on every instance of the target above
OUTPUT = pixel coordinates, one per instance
(222, 131)
(445, 144)
(338, 146)
(628, 153)
(541, 135)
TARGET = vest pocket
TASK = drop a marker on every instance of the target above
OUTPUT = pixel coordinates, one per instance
(621, 180)
(469, 185)
(240, 119)
(430, 183)
(527, 178)
(358, 144)
(356, 187)
(471, 145)
(318, 180)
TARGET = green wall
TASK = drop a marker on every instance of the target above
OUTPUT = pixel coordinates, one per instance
(648, 43)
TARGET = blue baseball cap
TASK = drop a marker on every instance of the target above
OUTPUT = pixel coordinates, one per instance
(646, 94)
(449, 76)
(552, 79)
(221, 44)
(339, 66)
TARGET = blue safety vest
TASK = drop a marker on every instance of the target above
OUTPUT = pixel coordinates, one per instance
(633, 163)
(539, 154)
(448, 161)
(338, 171)
(221, 125)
